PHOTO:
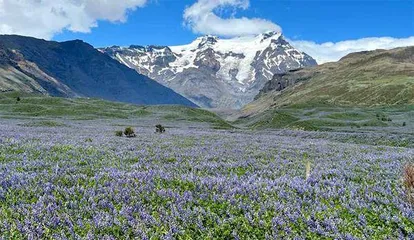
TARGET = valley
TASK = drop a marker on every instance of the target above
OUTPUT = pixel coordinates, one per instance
(93, 149)
(66, 174)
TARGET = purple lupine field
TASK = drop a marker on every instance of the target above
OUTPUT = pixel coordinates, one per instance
(80, 181)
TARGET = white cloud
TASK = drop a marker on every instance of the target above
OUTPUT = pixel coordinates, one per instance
(45, 18)
(328, 52)
(201, 18)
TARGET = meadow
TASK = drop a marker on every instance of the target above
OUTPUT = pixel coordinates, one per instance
(72, 178)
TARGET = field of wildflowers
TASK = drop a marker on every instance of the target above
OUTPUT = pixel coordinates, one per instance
(82, 182)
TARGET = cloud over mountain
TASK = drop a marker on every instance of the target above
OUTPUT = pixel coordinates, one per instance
(202, 18)
(45, 18)
(329, 51)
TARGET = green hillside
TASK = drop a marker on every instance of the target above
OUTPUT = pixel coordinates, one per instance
(333, 118)
(376, 78)
(32, 106)
(348, 93)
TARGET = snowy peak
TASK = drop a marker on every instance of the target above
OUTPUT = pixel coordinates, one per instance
(270, 34)
(214, 72)
(207, 41)
(138, 49)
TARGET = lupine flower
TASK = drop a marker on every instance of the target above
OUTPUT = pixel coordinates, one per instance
(202, 183)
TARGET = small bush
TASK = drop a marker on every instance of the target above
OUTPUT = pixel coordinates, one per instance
(409, 182)
(18, 99)
(159, 128)
(404, 124)
(382, 117)
(129, 132)
(119, 133)
(88, 140)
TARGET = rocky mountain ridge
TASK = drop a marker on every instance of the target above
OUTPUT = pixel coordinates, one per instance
(75, 69)
(213, 72)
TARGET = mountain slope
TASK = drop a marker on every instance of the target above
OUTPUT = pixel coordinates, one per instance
(375, 78)
(213, 72)
(20, 75)
(75, 69)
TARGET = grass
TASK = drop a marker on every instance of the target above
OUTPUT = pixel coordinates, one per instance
(45, 123)
(309, 117)
(325, 117)
(276, 120)
(197, 115)
(36, 106)
(353, 116)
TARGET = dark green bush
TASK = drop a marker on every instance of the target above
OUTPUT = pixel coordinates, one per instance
(129, 132)
(119, 133)
(404, 124)
(18, 99)
(383, 117)
(159, 128)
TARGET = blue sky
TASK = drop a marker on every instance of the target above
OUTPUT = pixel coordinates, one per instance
(161, 22)
(325, 29)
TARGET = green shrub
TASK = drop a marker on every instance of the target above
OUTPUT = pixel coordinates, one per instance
(383, 117)
(404, 124)
(159, 128)
(119, 133)
(129, 132)
(18, 99)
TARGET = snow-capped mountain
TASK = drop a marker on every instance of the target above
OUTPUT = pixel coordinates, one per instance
(213, 72)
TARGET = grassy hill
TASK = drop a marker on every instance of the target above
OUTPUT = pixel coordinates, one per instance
(354, 92)
(376, 78)
(33, 106)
